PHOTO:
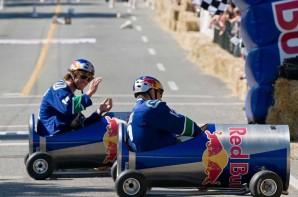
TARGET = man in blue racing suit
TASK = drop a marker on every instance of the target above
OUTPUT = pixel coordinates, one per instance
(152, 124)
(60, 109)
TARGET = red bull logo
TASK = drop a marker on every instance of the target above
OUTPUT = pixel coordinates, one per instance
(237, 169)
(110, 140)
(286, 20)
(215, 158)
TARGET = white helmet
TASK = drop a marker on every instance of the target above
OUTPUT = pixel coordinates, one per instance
(82, 64)
(145, 83)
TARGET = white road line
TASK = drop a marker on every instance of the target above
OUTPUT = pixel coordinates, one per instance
(14, 144)
(134, 18)
(139, 28)
(173, 85)
(13, 126)
(145, 39)
(4, 133)
(45, 41)
(161, 67)
(151, 51)
(293, 182)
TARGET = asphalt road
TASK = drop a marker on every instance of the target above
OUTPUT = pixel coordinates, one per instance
(36, 52)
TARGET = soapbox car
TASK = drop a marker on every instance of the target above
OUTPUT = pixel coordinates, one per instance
(224, 159)
(91, 147)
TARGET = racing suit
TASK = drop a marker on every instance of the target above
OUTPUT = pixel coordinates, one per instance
(60, 110)
(152, 125)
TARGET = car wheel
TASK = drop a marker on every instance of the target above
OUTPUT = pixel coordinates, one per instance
(40, 166)
(131, 184)
(266, 184)
(26, 158)
(114, 171)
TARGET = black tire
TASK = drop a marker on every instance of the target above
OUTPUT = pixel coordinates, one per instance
(114, 171)
(266, 183)
(26, 158)
(40, 166)
(131, 184)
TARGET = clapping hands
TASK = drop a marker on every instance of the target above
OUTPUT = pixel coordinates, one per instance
(105, 106)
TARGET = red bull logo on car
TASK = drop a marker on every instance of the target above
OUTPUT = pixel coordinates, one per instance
(237, 169)
(110, 140)
(215, 158)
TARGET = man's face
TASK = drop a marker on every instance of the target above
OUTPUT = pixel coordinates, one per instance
(82, 79)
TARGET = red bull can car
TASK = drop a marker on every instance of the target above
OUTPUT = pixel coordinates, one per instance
(233, 159)
(94, 146)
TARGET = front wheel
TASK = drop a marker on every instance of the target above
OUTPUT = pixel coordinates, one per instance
(266, 184)
(40, 165)
(131, 184)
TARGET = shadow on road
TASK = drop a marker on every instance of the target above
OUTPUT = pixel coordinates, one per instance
(8, 189)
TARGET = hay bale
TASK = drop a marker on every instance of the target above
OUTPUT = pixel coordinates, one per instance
(186, 5)
(214, 60)
(285, 108)
(187, 22)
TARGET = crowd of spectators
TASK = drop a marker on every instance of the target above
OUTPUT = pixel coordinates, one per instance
(227, 30)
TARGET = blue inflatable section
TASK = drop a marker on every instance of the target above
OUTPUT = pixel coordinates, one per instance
(269, 30)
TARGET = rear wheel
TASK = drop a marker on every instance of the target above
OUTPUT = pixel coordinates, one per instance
(114, 171)
(131, 184)
(40, 166)
(266, 184)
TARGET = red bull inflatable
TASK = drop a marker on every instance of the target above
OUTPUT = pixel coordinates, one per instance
(94, 146)
(269, 32)
(232, 159)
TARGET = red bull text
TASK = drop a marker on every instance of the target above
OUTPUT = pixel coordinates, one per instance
(237, 169)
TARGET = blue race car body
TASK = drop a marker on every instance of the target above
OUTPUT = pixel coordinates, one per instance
(90, 147)
(223, 156)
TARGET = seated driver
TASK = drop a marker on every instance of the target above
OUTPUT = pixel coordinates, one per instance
(152, 124)
(60, 109)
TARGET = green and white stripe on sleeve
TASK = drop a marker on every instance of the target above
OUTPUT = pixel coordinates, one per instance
(77, 104)
(188, 129)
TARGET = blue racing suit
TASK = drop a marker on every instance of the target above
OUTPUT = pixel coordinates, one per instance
(59, 108)
(152, 125)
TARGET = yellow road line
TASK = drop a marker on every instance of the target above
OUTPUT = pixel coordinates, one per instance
(41, 59)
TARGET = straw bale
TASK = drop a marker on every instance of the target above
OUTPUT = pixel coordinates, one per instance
(186, 5)
(282, 93)
(294, 94)
(273, 116)
(285, 108)
(187, 22)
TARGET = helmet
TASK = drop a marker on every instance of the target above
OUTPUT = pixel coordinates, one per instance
(82, 64)
(145, 83)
